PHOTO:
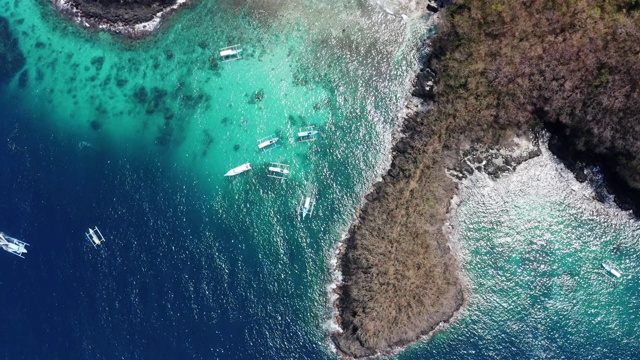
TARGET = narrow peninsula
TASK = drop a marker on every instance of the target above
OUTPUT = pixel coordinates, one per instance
(502, 70)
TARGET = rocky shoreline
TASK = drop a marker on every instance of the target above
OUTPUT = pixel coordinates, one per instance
(409, 206)
(582, 162)
(374, 262)
(132, 18)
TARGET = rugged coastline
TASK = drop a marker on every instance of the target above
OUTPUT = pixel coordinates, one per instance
(383, 301)
(505, 71)
(397, 255)
(132, 18)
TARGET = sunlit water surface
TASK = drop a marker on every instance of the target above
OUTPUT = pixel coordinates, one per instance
(134, 137)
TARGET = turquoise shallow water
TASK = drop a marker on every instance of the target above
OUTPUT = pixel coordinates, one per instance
(134, 137)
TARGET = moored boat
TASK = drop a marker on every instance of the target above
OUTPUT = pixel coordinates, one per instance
(280, 170)
(306, 134)
(306, 206)
(611, 270)
(95, 237)
(266, 143)
(230, 52)
(237, 170)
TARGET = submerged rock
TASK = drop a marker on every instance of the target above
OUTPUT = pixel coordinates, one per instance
(11, 58)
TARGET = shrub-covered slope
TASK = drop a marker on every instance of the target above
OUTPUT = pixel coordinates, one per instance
(573, 65)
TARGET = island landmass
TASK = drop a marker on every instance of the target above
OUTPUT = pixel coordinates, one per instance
(498, 71)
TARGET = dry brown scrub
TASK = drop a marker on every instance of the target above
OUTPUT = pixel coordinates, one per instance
(400, 279)
(572, 65)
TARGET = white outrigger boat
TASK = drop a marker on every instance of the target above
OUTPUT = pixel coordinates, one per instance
(12, 245)
(306, 206)
(230, 53)
(237, 170)
(307, 134)
(264, 142)
(278, 170)
(95, 237)
(611, 270)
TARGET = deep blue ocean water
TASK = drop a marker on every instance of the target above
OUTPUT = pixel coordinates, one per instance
(153, 291)
(198, 266)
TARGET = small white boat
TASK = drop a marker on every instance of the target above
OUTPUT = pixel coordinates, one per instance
(278, 170)
(230, 53)
(237, 170)
(308, 133)
(610, 269)
(12, 245)
(95, 237)
(266, 143)
(306, 206)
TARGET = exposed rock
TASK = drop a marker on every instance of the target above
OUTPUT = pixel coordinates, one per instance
(495, 161)
(134, 18)
(565, 145)
(432, 6)
(424, 85)
(400, 280)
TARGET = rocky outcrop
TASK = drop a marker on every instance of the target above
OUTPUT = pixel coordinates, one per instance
(424, 84)
(510, 70)
(11, 57)
(133, 18)
(495, 161)
(568, 146)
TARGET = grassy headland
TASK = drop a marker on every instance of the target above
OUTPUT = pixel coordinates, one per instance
(504, 67)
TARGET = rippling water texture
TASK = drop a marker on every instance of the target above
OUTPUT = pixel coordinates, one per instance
(533, 245)
(134, 137)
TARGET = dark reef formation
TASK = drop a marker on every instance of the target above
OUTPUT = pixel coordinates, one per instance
(569, 150)
(119, 16)
(11, 57)
(127, 12)
(504, 69)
